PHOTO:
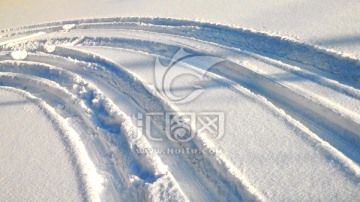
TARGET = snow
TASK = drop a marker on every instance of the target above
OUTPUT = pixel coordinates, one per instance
(271, 90)
(49, 48)
(19, 55)
(260, 147)
(35, 162)
(329, 24)
(68, 27)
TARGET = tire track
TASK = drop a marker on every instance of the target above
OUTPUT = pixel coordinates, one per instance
(106, 94)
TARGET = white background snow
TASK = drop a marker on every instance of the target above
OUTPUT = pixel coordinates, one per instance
(67, 105)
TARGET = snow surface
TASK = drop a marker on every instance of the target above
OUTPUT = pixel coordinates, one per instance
(284, 74)
(329, 24)
(19, 55)
(35, 162)
(261, 151)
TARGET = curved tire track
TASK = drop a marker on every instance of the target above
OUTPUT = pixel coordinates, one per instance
(59, 74)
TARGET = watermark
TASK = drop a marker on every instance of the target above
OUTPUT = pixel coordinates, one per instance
(180, 127)
(164, 76)
(177, 151)
(179, 82)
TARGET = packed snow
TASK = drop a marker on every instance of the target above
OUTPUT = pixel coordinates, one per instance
(179, 101)
(35, 161)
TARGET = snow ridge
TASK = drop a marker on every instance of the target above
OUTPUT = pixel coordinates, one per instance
(78, 71)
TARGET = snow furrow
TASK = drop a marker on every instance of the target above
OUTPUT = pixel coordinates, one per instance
(236, 37)
(146, 74)
(109, 143)
(150, 105)
(330, 113)
(92, 180)
(320, 104)
(291, 109)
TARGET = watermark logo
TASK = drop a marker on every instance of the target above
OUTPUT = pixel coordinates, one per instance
(187, 72)
(212, 123)
(182, 127)
(178, 151)
(179, 66)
